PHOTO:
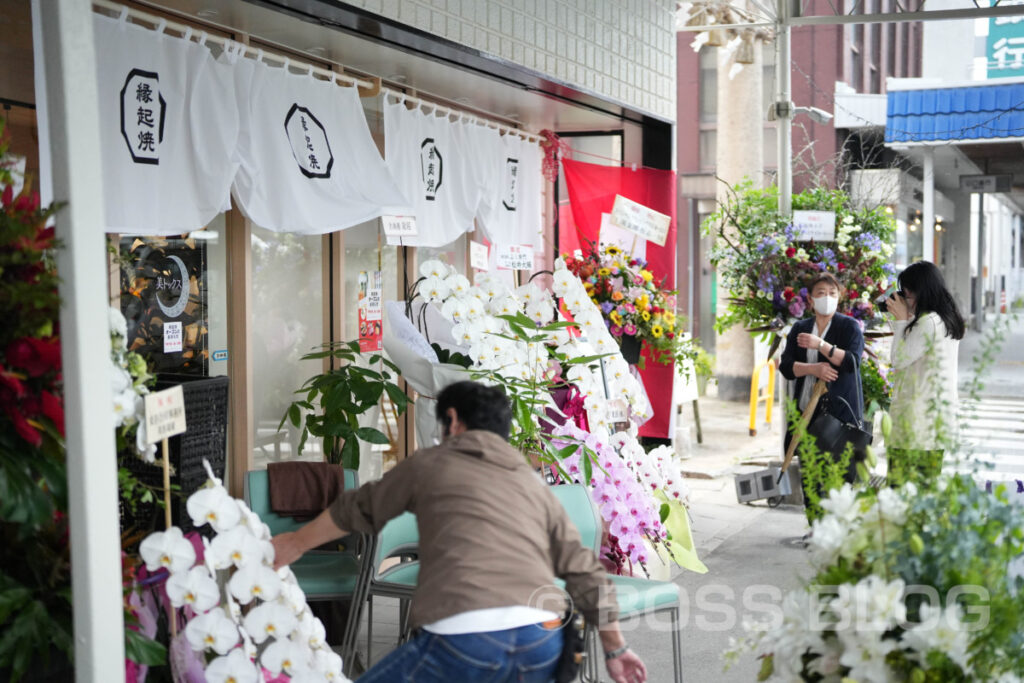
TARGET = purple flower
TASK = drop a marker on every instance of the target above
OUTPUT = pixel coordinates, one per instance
(803, 292)
(821, 265)
(796, 307)
(606, 307)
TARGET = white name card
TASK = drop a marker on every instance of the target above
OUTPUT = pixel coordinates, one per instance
(478, 257)
(399, 226)
(819, 226)
(640, 220)
(165, 414)
(515, 257)
(173, 341)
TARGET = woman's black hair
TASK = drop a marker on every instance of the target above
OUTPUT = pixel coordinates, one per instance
(924, 280)
(478, 407)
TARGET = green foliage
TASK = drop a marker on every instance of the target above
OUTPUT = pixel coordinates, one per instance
(876, 385)
(822, 472)
(333, 401)
(445, 356)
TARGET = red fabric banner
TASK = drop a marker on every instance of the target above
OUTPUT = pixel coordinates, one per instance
(592, 189)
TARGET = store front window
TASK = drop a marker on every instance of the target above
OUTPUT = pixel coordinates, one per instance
(286, 323)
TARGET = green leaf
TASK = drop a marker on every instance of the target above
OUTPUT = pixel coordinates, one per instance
(398, 397)
(294, 414)
(767, 668)
(588, 469)
(664, 512)
(13, 600)
(371, 435)
(350, 454)
(563, 453)
(142, 650)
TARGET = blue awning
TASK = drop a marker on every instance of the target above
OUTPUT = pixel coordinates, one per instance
(984, 112)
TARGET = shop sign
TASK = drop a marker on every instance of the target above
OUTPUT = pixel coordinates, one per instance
(640, 220)
(308, 139)
(431, 168)
(371, 296)
(817, 226)
(1004, 46)
(399, 226)
(165, 414)
(478, 256)
(142, 116)
(986, 183)
(515, 257)
(173, 341)
(511, 182)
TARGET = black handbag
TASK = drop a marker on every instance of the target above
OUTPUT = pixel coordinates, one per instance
(833, 435)
(573, 641)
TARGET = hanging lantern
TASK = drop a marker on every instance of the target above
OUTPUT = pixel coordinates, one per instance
(745, 51)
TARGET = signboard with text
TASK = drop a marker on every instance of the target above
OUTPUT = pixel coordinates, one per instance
(165, 414)
(986, 183)
(1004, 47)
(399, 226)
(478, 256)
(515, 257)
(640, 220)
(819, 226)
(371, 295)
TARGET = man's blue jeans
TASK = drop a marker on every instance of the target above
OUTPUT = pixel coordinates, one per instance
(527, 654)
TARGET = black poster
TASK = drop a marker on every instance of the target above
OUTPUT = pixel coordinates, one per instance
(164, 300)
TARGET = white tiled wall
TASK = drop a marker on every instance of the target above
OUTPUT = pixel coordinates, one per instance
(623, 50)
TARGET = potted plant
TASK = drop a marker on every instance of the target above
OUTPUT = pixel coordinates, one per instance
(335, 400)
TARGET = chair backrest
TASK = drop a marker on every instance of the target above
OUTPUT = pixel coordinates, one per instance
(576, 500)
(400, 536)
(257, 497)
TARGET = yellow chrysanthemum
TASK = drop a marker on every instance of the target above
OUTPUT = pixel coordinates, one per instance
(646, 316)
(647, 275)
(656, 331)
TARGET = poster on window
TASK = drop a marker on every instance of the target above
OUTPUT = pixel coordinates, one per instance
(371, 310)
(164, 300)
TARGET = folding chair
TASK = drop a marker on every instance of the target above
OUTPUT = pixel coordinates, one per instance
(399, 538)
(322, 575)
(637, 597)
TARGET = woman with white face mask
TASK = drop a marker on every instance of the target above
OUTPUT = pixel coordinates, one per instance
(826, 346)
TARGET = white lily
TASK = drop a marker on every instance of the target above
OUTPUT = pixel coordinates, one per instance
(255, 581)
(195, 588)
(212, 631)
(287, 656)
(238, 547)
(236, 667)
(213, 506)
(168, 549)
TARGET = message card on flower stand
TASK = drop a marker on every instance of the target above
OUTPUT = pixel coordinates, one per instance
(165, 417)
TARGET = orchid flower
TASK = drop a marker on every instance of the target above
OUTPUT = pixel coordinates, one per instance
(329, 664)
(215, 506)
(287, 656)
(255, 581)
(168, 549)
(212, 631)
(270, 620)
(195, 588)
(238, 547)
(434, 268)
(310, 631)
(236, 667)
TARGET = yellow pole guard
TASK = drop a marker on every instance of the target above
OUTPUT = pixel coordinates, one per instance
(756, 396)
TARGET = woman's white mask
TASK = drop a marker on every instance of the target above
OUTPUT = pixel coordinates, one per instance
(825, 305)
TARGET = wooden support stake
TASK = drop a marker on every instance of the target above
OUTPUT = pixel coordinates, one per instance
(173, 616)
(819, 389)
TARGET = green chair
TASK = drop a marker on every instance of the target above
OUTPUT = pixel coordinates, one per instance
(399, 538)
(636, 596)
(322, 575)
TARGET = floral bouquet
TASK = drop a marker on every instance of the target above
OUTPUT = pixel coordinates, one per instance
(635, 308)
(765, 267)
(244, 621)
(911, 585)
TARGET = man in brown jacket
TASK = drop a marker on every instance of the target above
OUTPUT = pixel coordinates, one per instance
(492, 537)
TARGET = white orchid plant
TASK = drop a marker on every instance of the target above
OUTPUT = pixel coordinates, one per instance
(910, 585)
(129, 382)
(247, 622)
(511, 336)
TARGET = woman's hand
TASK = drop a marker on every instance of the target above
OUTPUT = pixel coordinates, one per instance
(897, 305)
(825, 372)
(806, 340)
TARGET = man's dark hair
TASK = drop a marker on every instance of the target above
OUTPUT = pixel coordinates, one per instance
(478, 407)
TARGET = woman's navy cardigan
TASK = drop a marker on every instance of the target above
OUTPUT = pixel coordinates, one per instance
(844, 333)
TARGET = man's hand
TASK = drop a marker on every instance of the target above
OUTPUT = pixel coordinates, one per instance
(806, 340)
(287, 548)
(627, 668)
(825, 372)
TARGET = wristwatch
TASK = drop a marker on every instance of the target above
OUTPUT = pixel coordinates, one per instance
(617, 652)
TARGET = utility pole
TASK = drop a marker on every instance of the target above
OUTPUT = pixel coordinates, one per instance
(784, 107)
